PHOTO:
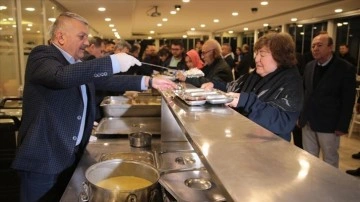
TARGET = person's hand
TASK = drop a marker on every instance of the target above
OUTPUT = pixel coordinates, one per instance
(180, 76)
(207, 86)
(339, 133)
(235, 101)
(126, 61)
(162, 83)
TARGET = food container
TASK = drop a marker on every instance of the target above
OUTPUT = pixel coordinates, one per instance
(140, 106)
(140, 139)
(119, 168)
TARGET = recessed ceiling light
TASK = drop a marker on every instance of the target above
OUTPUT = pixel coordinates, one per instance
(111, 25)
(234, 13)
(116, 33)
(246, 29)
(30, 25)
(28, 29)
(299, 25)
(3, 8)
(52, 19)
(230, 31)
(192, 29)
(149, 37)
(339, 24)
(184, 36)
(301, 33)
(264, 3)
(293, 19)
(345, 23)
(164, 19)
(114, 30)
(30, 9)
(159, 24)
(216, 20)
(102, 9)
(107, 19)
(10, 19)
(152, 31)
(186, 1)
(172, 12)
(0, 28)
(202, 25)
(38, 31)
(266, 24)
(339, 10)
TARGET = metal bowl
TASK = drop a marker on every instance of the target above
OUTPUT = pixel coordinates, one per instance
(140, 139)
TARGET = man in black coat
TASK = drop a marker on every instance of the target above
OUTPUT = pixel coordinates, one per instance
(329, 84)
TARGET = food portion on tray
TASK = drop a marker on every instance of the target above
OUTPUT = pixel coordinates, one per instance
(194, 73)
(199, 96)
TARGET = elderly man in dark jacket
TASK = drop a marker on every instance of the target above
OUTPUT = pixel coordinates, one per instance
(329, 84)
(215, 69)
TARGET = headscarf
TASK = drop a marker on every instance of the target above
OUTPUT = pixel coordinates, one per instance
(195, 58)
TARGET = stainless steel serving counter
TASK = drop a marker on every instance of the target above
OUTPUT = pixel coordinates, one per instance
(246, 161)
(249, 162)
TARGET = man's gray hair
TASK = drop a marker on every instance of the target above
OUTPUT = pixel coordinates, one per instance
(59, 22)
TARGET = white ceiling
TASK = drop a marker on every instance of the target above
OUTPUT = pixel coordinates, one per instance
(132, 21)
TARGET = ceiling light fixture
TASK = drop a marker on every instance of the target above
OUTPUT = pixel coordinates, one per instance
(30, 9)
(102, 9)
(264, 3)
(202, 25)
(186, 1)
(234, 13)
(107, 19)
(3, 8)
(164, 19)
(172, 12)
(246, 29)
(216, 20)
(293, 19)
(339, 10)
(177, 7)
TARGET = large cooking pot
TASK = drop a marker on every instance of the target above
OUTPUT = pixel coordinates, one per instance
(115, 168)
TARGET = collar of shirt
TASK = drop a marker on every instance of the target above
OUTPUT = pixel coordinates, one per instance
(325, 63)
(226, 55)
(67, 56)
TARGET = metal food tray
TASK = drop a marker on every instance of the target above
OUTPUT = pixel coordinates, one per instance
(127, 125)
(218, 99)
(195, 185)
(143, 156)
(140, 106)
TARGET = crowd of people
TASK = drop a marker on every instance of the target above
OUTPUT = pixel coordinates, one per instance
(269, 87)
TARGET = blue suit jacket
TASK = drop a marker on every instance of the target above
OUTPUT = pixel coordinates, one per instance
(53, 106)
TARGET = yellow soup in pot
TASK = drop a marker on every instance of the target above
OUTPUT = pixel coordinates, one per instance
(124, 183)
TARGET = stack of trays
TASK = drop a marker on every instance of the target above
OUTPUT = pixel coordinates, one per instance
(199, 96)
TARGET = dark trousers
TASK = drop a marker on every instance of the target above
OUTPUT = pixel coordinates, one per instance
(43, 187)
(39, 187)
(297, 136)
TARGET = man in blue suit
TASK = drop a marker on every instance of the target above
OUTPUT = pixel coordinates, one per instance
(59, 106)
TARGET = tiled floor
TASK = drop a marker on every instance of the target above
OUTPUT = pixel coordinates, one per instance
(349, 146)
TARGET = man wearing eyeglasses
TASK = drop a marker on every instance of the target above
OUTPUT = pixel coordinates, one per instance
(177, 61)
(216, 68)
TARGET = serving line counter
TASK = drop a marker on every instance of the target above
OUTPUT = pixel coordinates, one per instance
(244, 160)
(250, 163)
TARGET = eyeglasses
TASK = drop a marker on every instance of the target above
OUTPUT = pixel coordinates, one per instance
(205, 52)
(262, 53)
